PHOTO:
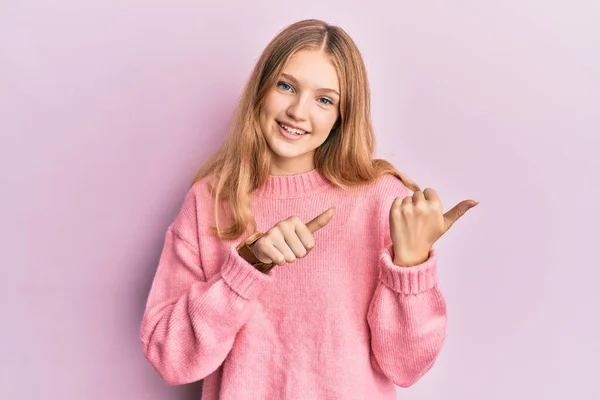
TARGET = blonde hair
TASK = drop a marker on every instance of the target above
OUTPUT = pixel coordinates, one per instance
(242, 163)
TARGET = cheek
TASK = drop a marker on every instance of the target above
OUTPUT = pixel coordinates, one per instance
(326, 121)
(273, 104)
(262, 119)
(266, 111)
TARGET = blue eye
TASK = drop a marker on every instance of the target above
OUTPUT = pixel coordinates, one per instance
(284, 86)
(328, 102)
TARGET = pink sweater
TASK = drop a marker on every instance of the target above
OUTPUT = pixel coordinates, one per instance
(342, 323)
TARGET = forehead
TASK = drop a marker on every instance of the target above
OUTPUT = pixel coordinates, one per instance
(313, 68)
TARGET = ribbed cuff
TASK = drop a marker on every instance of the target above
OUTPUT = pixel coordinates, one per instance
(242, 277)
(408, 280)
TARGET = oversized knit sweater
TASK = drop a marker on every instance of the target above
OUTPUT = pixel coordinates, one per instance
(343, 322)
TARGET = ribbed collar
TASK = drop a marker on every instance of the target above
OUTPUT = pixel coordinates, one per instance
(293, 186)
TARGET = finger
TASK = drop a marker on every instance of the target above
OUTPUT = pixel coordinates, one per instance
(282, 246)
(268, 254)
(305, 237)
(294, 243)
(276, 254)
(407, 200)
(433, 199)
(452, 215)
(418, 197)
(321, 220)
(431, 194)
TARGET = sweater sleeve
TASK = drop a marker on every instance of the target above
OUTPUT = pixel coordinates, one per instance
(407, 315)
(407, 318)
(190, 323)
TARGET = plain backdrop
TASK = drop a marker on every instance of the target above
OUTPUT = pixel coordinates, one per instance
(108, 107)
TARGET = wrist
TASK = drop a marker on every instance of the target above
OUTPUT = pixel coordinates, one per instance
(409, 260)
(408, 280)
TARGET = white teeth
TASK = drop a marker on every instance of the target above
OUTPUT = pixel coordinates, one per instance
(292, 130)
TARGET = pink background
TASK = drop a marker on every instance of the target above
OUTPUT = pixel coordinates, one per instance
(108, 107)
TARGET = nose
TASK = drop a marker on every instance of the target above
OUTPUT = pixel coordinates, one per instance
(298, 110)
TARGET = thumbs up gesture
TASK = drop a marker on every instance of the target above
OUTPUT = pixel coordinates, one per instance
(417, 222)
(289, 239)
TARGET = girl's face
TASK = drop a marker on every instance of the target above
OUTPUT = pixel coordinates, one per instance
(300, 111)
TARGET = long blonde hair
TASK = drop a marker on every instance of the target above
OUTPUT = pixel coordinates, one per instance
(242, 163)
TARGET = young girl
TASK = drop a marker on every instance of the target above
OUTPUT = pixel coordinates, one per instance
(299, 267)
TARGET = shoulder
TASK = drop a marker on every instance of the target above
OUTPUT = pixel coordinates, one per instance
(383, 190)
(377, 196)
(196, 197)
(189, 218)
(200, 190)
(391, 185)
(381, 194)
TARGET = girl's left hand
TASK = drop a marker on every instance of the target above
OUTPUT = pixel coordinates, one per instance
(417, 222)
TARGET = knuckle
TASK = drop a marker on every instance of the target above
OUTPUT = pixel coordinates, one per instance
(406, 210)
(286, 226)
(421, 208)
(267, 238)
(302, 253)
(277, 232)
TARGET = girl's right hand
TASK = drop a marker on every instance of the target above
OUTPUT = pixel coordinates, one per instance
(289, 239)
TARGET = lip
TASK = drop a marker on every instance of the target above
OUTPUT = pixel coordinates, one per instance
(292, 126)
(287, 135)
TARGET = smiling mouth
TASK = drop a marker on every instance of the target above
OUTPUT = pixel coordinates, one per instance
(291, 130)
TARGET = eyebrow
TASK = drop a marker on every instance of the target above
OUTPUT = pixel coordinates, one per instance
(292, 78)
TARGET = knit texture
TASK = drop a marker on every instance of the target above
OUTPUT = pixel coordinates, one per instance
(343, 322)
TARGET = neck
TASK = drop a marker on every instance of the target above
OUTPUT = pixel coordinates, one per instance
(295, 166)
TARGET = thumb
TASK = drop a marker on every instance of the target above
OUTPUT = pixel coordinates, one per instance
(458, 211)
(321, 220)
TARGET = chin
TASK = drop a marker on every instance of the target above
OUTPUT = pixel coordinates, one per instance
(282, 152)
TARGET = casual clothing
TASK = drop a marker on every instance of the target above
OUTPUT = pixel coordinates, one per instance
(343, 322)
